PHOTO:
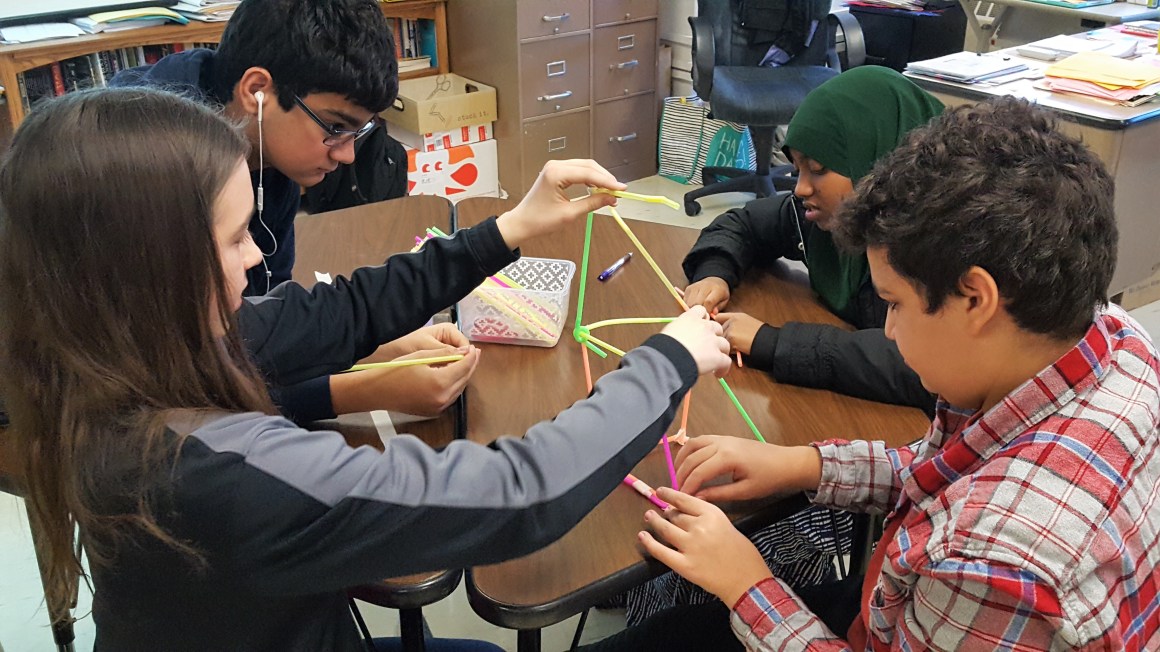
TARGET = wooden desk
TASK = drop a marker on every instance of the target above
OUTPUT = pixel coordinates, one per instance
(1125, 139)
(337, 243)
(599, 558)
(1098, 16)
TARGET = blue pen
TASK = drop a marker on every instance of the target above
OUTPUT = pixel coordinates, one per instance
(612, 269)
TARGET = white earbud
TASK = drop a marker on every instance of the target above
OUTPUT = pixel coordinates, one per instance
(261, 97)
(261, 195)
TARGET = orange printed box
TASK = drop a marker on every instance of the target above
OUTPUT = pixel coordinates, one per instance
(455, 173)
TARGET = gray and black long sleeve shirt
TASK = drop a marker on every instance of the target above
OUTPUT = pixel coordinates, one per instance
(286, 518)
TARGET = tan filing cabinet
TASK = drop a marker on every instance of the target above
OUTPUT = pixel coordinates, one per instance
(573, 79)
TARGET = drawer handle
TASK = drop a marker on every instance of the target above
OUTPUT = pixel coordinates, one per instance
(626, 42)
(561, 67)
(622, 139)
(622, 66)
(557, 19)
(557, 144)
(557, 96)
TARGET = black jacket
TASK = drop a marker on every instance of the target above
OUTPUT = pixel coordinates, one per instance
(862, 363)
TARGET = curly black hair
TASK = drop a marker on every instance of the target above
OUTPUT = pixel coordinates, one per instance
(998, 186)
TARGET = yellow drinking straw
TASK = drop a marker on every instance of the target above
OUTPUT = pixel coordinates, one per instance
(649, 259)
(394, 364)
(649, 199)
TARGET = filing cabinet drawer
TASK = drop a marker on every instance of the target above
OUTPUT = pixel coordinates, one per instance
(615, 11)
(548, 17)
(554, 75)
(624, 59)
(624, 131)
(557, 137)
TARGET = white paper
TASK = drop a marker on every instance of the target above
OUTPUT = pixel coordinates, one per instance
(39, 32)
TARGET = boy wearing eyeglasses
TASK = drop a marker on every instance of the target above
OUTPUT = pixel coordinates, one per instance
(306, 79)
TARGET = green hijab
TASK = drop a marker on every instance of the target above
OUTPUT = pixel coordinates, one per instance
(847, 124)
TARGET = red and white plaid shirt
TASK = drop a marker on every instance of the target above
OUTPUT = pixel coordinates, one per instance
(1035, 526)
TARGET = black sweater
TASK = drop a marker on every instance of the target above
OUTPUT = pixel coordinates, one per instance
(862, 363)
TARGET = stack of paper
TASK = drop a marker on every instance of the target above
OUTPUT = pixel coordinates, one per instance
(112, 21)
(966, 67)
(207, 10)
(38, 32)
(909, 5)
(1098, 75)
(1062, 46)
(1141, 28)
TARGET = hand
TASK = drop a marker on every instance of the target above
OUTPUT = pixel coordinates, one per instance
(423, 390)
(705, 547)
(428, 337)
(702, 338)
(546, 208)
(740, 329)
(711, 292)
(755, 469)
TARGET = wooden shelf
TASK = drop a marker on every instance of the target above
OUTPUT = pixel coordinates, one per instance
(16, 59)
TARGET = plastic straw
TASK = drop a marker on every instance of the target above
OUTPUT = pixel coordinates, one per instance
(587, 368)
(649, 199)
(669, 460)
(394, 364)
(685, 412)
(652, 263)
(629, 320)
(744, 414)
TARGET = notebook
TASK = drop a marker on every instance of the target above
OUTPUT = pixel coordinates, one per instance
(966, 67)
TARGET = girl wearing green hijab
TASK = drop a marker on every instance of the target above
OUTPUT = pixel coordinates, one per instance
(837, 134)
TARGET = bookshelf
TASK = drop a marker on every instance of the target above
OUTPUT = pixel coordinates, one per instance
(19, 58)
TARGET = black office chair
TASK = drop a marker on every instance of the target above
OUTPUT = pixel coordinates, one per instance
(728, 44)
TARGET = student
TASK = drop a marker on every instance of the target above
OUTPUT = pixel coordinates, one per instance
(842, 127)
(138, 417)
(306, 79)
(837, 134)
(1027, 517)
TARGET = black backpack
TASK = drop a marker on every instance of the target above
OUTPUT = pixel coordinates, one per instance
(379, 172)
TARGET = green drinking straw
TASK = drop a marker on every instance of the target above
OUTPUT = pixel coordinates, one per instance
(744, 414)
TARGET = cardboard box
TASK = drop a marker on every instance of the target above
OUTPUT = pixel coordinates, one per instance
(441, 103)
(443, 139)
(456, 173)
(1142, 293)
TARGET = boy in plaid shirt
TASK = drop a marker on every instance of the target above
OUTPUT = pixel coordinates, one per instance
(1028, 516)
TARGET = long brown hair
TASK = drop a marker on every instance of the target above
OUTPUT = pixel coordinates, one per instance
(111, 292)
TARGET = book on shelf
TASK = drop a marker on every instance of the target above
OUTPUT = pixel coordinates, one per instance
(409, 64)
(87, 71)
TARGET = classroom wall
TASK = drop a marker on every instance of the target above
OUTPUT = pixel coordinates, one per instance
(1022, 26)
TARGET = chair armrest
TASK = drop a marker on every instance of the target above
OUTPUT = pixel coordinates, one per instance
(852, 37)
(704, 55)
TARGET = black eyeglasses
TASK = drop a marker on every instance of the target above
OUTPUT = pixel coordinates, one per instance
(334, 135)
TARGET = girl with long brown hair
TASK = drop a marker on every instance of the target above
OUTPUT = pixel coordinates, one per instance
(141, 423)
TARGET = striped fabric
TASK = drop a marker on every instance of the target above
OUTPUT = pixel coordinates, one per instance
(799, 549)
(1031, 527)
